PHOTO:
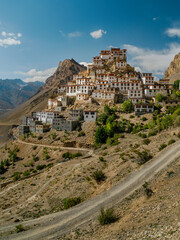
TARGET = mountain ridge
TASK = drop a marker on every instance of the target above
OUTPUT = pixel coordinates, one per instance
(14, 92)
(64, 73)
(173, 71)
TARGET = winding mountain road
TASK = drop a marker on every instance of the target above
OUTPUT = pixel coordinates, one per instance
(54, 225)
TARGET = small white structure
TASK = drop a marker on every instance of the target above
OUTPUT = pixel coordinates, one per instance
(52, 103)
(147, 78)
(121, 64)
(47, 117)
(135, 93)
(143, 108)
(105, 54)
(97, 61)
(90, 116)
(104, 94)
(82, 97)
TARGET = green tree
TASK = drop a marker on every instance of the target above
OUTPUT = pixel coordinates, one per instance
(100, 135)
(159, 97)
(102, 118)
(176, 85)
(127, 106)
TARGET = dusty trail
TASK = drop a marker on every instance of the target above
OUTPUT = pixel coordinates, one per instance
(54, 225)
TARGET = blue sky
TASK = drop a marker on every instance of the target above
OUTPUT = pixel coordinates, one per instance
(36, 34)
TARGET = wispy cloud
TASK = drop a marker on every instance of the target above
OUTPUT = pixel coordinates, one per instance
(85, 63)
(33, 75)
(71, 34)
(62, 33)
(9, 39)
(173, 32)
(74, 34)
(98, 33)
(155, 61)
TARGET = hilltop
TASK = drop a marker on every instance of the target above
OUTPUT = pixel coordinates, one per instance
(63, 74)
(173, 71)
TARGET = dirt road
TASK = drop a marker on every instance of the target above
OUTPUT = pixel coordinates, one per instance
(52, 226)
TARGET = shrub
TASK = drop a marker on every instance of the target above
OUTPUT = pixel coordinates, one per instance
(31, 163)
(26, 173)
(121, 136)
(81, 133)
(67, 155)
(19, 228)
(171, 173)
(143, 135)
(144, 118)
(40, 137)
(34, 147)
(16, 176)
(146, 141)
(53, 135)
(131, 116)
(70, 202)
(74, 155)
(40, 167)
(143, 157)
(101, 159)
(2, 169)
(162, 146)
(152, 133)
(171, 141)
(100, 135)
(36, 158)
(99, 176)
(106, 216)
(147, 190)
(70, 155)
(127, 106)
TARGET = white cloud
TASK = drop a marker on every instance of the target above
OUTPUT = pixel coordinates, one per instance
(98, 34)
(85, 63)
(9, 42)
(19, 35)
(111, 46)
(33, 75)
(155, 61)
(74, 34)
(155, 18)
(62, 33)
(9, 39)
(173, 32)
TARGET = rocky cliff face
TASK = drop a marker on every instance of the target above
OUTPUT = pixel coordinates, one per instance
(173, 71)
(64, 73)
(38, 102)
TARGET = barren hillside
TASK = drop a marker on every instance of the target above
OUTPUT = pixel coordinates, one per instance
(63, 74)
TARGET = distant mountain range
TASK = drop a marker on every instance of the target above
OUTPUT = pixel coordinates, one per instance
(14, 92)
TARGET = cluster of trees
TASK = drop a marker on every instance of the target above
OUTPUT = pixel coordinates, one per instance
(12, 158)
(109, 127)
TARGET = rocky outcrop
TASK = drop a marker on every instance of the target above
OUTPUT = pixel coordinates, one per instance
(38, 102)
(64, 73)
(173, 71)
